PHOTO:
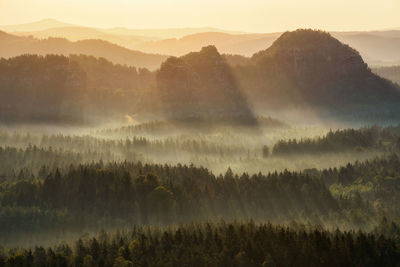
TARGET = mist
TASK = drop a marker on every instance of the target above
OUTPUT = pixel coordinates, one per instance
(198, 146)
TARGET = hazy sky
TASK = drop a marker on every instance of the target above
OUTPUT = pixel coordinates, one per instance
(244, 15)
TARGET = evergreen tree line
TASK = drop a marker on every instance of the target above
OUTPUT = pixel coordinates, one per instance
(37, 162)
(98, 195)
(374, 181)
(358, 140)
(215, 244)
(51, 192)
(127, 148)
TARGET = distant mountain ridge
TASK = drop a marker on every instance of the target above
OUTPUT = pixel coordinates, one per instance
(35, 26)
(11, 46)
(81, 33)
(153, 33)
(165, 33)
(378, 48)
(242, 44)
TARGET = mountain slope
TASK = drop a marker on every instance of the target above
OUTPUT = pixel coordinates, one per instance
(11, 46)
(313, 69)
(201, 84)
(35, 89)
(391, 73)
(74, 89)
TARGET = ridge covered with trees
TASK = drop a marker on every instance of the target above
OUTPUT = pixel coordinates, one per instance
(312, 69)
(13, 46)
(370, 138)
(97, 195)
(59, 89)
(202, 84)
(93, 196)
(199, 84)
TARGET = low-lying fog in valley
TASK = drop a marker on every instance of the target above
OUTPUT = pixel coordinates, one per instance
(34, 153)
(219, 149)
(216, 148)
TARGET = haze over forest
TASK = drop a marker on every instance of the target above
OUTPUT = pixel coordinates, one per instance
(156, 140)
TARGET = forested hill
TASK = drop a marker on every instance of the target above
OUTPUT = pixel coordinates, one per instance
(61, 89)
(303, 69)
(202, 84)
(311, 68)
(11, 46)
(97, 195)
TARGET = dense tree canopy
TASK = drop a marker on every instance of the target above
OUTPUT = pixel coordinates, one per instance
(221, 244)
(72, 89)
(370, 138)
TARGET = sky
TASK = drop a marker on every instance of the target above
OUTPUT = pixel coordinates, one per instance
(242, 15)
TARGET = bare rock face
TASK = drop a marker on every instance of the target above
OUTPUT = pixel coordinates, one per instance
(201, 84)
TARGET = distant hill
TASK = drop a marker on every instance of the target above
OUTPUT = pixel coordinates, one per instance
(202, 84)
(312, 69)
(11, 45)
(83, 33)
(242, 44)
(167, 32)
(35, 26)
(141, 40)
(197, 88)
(391, 73)
(162, 33)
(377, 48)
